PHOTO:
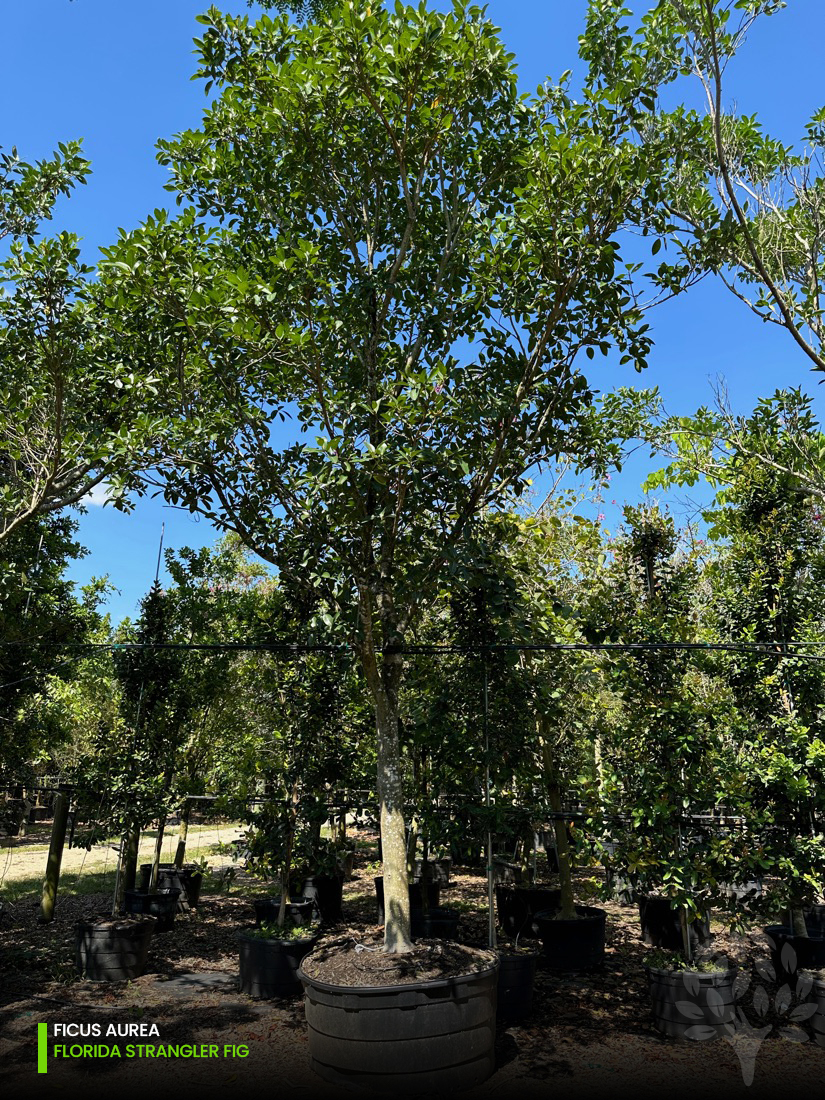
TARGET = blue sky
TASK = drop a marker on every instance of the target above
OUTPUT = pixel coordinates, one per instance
(118, 76)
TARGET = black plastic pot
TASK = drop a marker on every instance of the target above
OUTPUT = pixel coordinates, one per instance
(421, 1037)
(691, 1006)
(192, 879)
(506, 873)
(113, 950)
(269, 967)
(186, 879)
(791, 953)
(573, 944)
(326, 893)
(438, 870)
(818, 1021)
(433, 896)
(434, 924)
(298, 911)
(545, 841)
(514, 997)
(617, 878)
(517, 906)
(815, 920)
(662, 927)
(162, 906)
(346, 864)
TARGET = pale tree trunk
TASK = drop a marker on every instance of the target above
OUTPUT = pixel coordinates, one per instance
(383, 672)
(393, 839)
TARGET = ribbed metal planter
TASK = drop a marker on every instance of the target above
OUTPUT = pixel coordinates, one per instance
(691, 1006)
(436, 1036)
(113, 950)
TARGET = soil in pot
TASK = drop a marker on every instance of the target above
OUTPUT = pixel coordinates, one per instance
(517, 906)
(573, 944)
(162, 906)
(299, 911)
(514, 996)
(433, 896)
(419, 1022)
(113, 950)
(691, 1005)
(662, 925)
(269, 966)
(325, 892)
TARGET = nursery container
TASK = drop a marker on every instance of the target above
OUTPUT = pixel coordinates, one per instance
(422, 1037)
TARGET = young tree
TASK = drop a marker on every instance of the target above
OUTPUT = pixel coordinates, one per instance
(667, 761)
(410, 260)
(768, 589)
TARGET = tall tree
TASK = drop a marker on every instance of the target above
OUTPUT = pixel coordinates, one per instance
(408, 261)
(740, 203)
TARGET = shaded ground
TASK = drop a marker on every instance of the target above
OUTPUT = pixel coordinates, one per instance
(590, 1034)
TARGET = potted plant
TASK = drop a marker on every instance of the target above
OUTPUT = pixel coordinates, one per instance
(358, 333)
(270, 957)
(665, 752)
(113, 950)
(691, 1000)
(770, 587)
(424, 1021)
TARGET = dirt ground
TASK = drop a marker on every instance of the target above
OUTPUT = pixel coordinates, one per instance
(590, 1034)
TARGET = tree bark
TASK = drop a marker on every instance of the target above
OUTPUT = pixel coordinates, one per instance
(183, 833)
(154, 875)
(393, 839)
(130, 860)
(58, 839)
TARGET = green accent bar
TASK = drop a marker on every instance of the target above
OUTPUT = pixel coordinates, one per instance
(42, 1047)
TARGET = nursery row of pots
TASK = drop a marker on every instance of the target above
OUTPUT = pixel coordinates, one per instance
(441, 1033)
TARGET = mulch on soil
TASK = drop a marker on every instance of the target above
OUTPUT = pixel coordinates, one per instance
(590, 1034)
(355, 959)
